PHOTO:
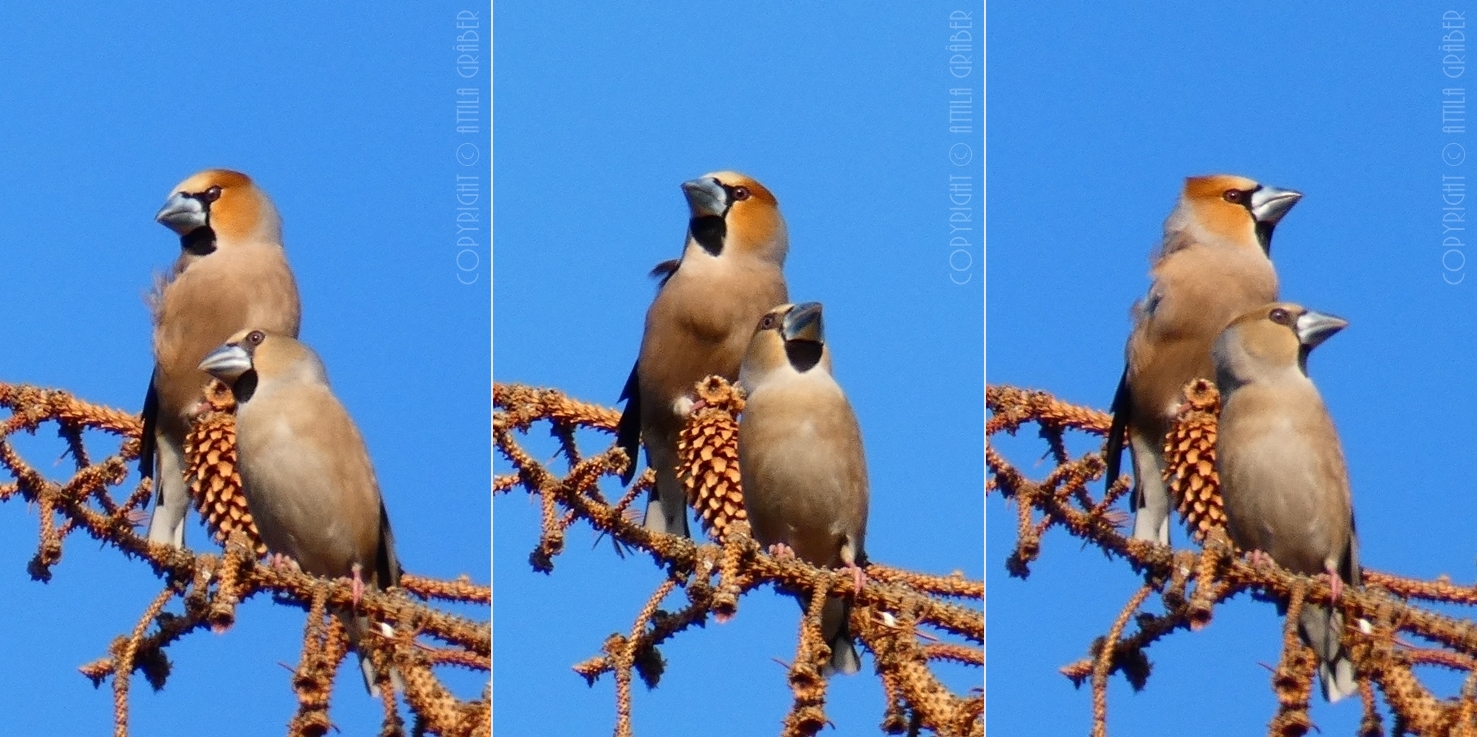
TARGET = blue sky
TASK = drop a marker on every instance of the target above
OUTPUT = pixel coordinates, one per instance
(346, 119)
(1096, 116)
(842, 113)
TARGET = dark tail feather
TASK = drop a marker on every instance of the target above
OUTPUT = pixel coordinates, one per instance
(628, 432)
(836, 629)
(356, 627)
(1119, 431)
(1323, 630)
(386, 563)
(146, 440)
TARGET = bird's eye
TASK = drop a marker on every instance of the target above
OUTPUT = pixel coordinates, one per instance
(256, 337)
(1234, 196)
(740, 194)
(1281, 316)
(212, 194)
(768, 322)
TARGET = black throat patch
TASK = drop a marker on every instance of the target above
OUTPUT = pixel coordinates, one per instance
(199, 242)
(245, 386)
(803, 354)
(709, 232)
(1264, 236)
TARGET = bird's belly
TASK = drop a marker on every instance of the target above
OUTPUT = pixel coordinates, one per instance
(803, 501)
(1282, 513)
(290, 505)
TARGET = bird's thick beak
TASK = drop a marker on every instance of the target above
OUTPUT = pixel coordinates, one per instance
(804, 323)
(182, 213)
(226, 362)
(705, 197)
(1315, 327)
(1269, 204)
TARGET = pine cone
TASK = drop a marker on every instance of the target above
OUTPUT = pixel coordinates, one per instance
(210, 466)
(1189, 460)
(707, 450)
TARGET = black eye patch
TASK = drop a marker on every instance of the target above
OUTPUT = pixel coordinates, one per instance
(1240, 197)
(206, 197)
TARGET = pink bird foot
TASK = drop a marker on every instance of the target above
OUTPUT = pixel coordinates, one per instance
(198, 408)
(686, 406)
(781, 551)
(137, 517)
(358, 584)
(1259, 559)
(858, 577)
(1336, 584)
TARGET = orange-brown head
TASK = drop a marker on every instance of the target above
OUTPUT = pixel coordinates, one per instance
(734, 213)
(1229, 210)
(220, 206)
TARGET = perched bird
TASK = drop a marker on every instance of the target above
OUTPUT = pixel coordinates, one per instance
(232, 274)
(305, 472)
(731, 272)
(1283, 478)
(801, 461)
(1213, 265)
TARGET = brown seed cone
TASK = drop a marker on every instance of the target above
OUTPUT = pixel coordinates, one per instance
(210, 466)
(707, 450)
(1189, 460)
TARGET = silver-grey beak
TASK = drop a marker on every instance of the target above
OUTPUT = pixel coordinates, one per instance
(1315, 327)
(1269, 204)
(705, 197)
(226, 362)
(804, 323)
(182, 213)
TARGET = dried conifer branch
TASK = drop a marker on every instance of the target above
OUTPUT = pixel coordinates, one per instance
(891, 616)
(1191, 583)
(212, 585)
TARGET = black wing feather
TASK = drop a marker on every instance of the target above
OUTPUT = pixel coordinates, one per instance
(386, 564)
(665, 270)
(146, 441)
(628, 432)
(1122, 405)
